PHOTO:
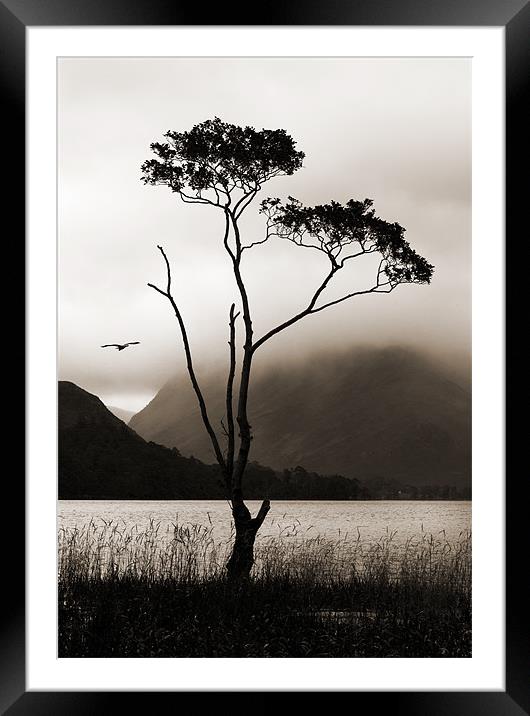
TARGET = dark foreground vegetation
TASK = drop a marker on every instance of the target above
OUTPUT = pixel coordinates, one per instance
(142, 594)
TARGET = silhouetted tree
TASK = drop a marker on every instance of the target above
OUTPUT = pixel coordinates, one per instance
(225, 166)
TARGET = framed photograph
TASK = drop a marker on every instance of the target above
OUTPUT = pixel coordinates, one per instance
(246, 471)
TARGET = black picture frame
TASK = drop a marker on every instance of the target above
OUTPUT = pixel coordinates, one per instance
(514, 16)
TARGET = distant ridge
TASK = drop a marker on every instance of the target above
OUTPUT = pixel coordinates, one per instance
(388, 413)
(102, 458)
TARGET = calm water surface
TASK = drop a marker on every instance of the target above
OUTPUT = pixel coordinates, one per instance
(368, 520)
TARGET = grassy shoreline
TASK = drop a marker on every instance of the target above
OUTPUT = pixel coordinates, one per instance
(132, 593)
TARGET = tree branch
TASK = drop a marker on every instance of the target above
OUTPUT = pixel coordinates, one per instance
(190, 200)
(354, 256)
(374, 289)
(189, 363)
(268, 234)
(242, 204)
(229, 397)
(152, 285)
(260, 517)
(310, 309)
(242, 417)
(227, 233)
(298, 316)
(254, 243)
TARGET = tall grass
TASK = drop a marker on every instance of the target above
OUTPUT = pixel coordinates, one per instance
(126, 592)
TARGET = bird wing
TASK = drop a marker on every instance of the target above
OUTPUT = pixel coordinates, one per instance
(133, 343)
(110, 345)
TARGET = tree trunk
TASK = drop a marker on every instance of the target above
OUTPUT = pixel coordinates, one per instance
(241, 560)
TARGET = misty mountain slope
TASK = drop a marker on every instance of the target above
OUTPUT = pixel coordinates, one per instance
(387, 413)
(121, 413)
(101, 457)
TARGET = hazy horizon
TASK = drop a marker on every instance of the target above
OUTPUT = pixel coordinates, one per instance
(395, 130)
(457, 366)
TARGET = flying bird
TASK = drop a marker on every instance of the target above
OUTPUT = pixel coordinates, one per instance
(120, 346)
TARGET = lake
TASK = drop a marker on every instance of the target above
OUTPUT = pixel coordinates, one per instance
(365, 520)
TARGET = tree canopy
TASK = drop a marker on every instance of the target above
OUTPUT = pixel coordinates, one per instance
(344, 232)
(211, 160)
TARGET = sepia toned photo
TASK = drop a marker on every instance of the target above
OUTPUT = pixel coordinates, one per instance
(264, 354)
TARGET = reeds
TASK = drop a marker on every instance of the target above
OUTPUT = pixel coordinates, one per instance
(109, 550)
(131, 592)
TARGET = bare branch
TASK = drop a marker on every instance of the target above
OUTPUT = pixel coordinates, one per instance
(298, 316)
(168, 271)
(254, 243)
(310, 309)
(245, 201)
(225, 431)
(227, 233)
(229, 397)
(151, 285)
(268, 234)
(191, 200)
(354, 256)
(374, 289)
(242, 417)
(189, 363)
(260, 517)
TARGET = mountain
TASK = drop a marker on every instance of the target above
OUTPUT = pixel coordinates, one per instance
(120, 413)
(371, 414)
(101, 457)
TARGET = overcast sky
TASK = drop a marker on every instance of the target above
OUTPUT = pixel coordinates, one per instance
(395, 130)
